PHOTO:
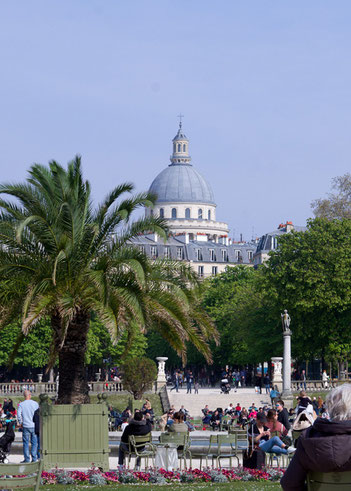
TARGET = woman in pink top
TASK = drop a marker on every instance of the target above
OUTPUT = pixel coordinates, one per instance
(273, 424)
(253, 414)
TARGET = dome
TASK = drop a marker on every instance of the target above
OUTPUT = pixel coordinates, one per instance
(181, 183)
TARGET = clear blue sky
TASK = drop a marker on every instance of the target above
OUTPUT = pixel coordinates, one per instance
(264, 87)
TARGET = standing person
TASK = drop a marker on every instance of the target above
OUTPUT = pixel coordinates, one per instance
(175, 382)
(196, 387)
(189, 382)
(36, 420)
(26, 410)
(325, 379)
(267, 383)
(303, 379)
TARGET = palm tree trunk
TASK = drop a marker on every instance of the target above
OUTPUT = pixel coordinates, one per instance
(73, 385)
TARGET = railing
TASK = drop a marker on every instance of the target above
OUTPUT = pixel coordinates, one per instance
(35, 387)
(166, 406)
(15, 388)
(315, 385)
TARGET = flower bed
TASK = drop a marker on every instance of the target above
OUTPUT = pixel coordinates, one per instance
(96, 477)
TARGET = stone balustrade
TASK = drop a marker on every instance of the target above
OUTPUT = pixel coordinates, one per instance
(36, 388)
(315, 385)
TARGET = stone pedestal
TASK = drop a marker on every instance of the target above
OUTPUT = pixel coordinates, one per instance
(287, 365)
(40, 378)
(277, 380)
(161, 375)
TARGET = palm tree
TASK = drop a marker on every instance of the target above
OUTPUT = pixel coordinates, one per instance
(61, 258)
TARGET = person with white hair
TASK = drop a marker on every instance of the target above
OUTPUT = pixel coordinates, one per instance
(326, 445)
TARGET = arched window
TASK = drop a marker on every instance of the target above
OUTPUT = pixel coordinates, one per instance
(152, 213)
(174, 147)
(187, 212)
(174, 213)
(184, 147)
(199, 214)
(209, 214)
(162, 213)
(179, 147)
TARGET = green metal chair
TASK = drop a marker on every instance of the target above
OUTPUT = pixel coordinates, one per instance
(182, 441)
(241, 440)
(30, 475)
(328, 481)
(141, 447)
(225, 423)
(282, 460)
(226, 448)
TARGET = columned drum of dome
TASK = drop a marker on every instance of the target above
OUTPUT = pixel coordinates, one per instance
(184, 197)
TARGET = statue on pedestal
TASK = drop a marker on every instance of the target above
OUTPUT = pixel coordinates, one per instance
(285, 321)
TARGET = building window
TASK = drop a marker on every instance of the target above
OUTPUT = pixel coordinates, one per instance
(250, 256)
(224, 255)
(198, 255)
(174, 147)
(180, 253)
(184, 147)
(238, 257)
(214, 270)
(212, 255)
(187, 212)
(162, 213)
(153, 250)
(167, 252)
(152, 213)
(199, 214)
(174, 213)
(209, 214)
(142, 249)
(179, 147)
(200, 271)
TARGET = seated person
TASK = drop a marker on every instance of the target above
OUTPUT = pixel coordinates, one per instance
(252, 407)
(205, 411)
(238, 409)
(178, 423)
(253, 414)
(243, 417)
(140, 425)
(273, 424)
(325, 446)
(215, 420)
(283, 415)
(261, 436)
(304, 403)
(230, 409)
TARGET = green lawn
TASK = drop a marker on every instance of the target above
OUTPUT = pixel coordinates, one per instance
(250, 486)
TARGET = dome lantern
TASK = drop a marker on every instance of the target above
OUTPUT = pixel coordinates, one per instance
(180, 147)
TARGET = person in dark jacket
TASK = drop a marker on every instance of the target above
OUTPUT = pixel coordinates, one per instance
(140, 425)
(283, 415)
(36, 421)
(325, 446)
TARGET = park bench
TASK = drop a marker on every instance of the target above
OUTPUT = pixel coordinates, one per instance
(24, 475)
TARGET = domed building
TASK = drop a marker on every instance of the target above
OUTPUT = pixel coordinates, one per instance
(185, 198)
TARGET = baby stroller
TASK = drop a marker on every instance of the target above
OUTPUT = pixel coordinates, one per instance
(6, 441)
(225, 386)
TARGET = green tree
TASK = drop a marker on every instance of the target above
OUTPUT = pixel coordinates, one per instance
(138, 376)
(61, 258)
(245, 316)
(132, 344)
(309, 275)
(337, 205)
